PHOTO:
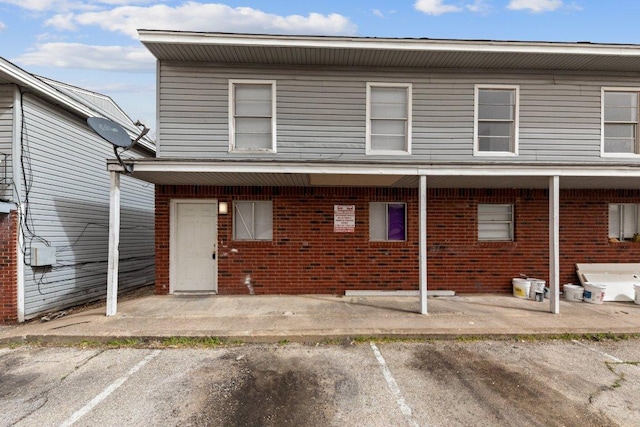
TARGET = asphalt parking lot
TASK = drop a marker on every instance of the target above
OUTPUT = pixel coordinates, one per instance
(434, 383)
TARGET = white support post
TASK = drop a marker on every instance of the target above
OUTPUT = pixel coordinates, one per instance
(423, 244)
(114, 242)
(554, 244)
(16, 169)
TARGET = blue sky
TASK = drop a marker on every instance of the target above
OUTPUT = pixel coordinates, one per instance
(94, 44)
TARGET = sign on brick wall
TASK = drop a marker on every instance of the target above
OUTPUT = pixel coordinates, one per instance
(344, 218)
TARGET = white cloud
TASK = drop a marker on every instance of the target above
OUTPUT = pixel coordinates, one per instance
(479, 6)
(435, 7)
(193, 16)
(62, 22)
(2, 26)
(536, 6)
(76, 55)
(65, 5)
(378, 13)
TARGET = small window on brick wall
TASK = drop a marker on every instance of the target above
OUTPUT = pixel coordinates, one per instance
(387, 221)
(495, 223)
(623, 221)
(252, 220)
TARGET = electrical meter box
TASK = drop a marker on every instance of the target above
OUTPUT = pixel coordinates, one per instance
(43, 256)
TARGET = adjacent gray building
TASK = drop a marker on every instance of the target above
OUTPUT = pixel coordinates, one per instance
(54, 192)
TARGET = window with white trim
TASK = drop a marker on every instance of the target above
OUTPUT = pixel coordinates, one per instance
(620, 122)
(496, 120)
(252, 115)
(623, 221)
(252, 220)
(388, 118)
(387, 221)
(495, 223)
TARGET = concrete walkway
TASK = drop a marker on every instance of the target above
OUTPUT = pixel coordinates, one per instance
(312, 318)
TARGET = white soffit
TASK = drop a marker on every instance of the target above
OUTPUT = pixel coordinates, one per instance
(388, 52)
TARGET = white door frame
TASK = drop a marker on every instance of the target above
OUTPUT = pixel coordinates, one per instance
(173, 223)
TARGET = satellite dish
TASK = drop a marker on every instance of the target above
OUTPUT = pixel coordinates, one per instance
(110, 131)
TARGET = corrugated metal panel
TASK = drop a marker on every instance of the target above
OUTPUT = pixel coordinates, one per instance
(321, 112)
(68, 208)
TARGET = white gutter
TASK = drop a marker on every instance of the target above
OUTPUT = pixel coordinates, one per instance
(186, 166)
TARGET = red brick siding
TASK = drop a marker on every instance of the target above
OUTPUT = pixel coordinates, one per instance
(306, 256)
(8, 268)
(458, 261)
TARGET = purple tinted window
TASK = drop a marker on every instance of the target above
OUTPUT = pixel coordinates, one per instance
(397, 216)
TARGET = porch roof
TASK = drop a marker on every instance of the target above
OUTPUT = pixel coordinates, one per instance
(316, 174)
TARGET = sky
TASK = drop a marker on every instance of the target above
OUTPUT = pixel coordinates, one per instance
(94, 44)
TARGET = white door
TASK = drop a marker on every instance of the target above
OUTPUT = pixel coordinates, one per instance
(194, 250)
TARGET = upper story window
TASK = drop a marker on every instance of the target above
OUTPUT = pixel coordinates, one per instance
(496, 120)
(252, 115)
(620, 122)
(388, 118)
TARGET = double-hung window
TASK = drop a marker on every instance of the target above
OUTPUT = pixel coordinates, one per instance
(388, 129)
(252, 115)
(496, 120)
(620, 122)
(387, 221)
(623, 221)
(252, 220)
(495, 222)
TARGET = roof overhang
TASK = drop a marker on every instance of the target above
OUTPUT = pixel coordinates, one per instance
(314, 174)
(12, 74)
(388, 52)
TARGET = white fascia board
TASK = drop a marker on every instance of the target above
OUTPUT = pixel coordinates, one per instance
(23, 78)
(427, 45)
(140, 165)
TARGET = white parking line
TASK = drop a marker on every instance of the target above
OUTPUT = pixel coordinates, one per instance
(595, 350)
(615, 359)
(107, 391)
(393, 386)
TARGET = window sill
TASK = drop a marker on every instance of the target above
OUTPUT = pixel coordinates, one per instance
(387, 153)
(621, 155)
(253, 151)
(494, 154)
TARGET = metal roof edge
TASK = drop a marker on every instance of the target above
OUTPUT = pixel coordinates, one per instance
(40, 86)
(373, 43)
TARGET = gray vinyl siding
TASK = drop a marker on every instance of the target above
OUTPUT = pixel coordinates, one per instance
(6, 140)
(321, 113)
(68, 208)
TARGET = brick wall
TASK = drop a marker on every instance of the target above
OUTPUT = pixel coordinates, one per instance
(307, 256)
(8, 268)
